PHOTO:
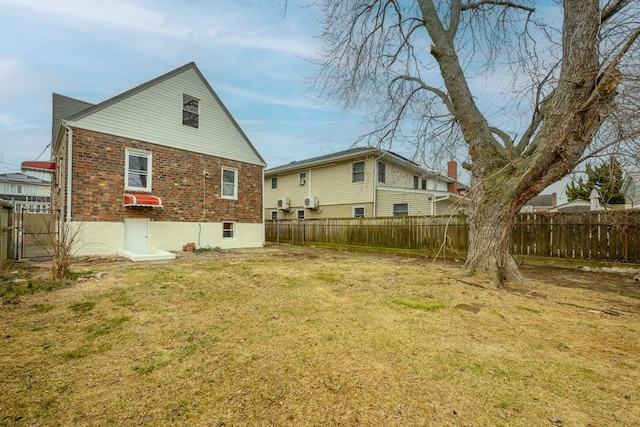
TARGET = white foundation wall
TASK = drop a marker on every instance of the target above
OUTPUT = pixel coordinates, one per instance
(170, 236)
(98, 238)
(107, 238)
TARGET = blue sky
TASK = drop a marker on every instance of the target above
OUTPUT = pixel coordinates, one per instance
(254, 56)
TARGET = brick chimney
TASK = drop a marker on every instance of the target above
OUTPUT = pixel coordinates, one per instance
(452, 172)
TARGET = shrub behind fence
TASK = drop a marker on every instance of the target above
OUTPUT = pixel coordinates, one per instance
(601, 235)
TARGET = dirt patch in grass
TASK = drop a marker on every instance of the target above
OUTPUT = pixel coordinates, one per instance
(305, 336)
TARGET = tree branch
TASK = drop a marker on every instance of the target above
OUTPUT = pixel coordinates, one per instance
(612, 9)
(481, 3)
(454, 21)
(610, 78)
(440, 93)
(508, 142)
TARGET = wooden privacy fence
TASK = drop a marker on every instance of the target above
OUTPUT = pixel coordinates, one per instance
(596, 235)
(395, 232)
(601, 235)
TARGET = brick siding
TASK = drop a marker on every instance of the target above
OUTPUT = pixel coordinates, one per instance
(177, 177)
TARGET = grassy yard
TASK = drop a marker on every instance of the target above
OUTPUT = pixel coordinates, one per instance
(303, 336)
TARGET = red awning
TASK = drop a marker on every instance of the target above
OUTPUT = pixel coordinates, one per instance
(39, 166)
(145, 200)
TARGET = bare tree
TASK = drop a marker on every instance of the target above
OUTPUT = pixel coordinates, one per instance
(551, 86)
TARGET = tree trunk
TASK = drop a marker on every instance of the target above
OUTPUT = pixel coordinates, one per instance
(491, 220)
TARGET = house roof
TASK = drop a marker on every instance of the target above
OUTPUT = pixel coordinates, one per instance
(78, 115)
(542, 200)
(574, 206)
(352, 153)
(22, 179)
(65, 107)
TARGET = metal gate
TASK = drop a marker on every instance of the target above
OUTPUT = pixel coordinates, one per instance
(36, 233)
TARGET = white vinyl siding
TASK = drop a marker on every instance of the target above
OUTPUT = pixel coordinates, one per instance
(155, 115)
(331, 185)
(447, 207)
(419, 203)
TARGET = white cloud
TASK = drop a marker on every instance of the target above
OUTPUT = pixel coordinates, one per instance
(269, 99)
(252, 40)
(9, 68)
(9, 120)
(213, 24)
(115, 13)
(17, 80)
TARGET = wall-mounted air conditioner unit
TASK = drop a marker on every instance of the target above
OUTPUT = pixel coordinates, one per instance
(311, 202)
(283, 203)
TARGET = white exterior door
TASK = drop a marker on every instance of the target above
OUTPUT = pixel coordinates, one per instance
(136, 235)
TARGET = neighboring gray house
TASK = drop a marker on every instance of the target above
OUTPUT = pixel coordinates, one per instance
(631, 190)
(25, 192)
(541, 203)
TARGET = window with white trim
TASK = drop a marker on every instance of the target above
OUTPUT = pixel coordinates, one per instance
(300, 214)
(274, 182)
(382, 168)
(357, 172)
(400, 209)
(137, 170)
(274, 215)
(190, 111)
(302, 178)
(228, 230)
(229, 183)
(358, 212)
(416, 181)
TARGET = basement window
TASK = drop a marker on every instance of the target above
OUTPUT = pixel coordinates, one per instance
(228, 229)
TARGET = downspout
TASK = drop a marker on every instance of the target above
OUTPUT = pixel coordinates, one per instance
(436, 200)
(375, 184)
(69, 170)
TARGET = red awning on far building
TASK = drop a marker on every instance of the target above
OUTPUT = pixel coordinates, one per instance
(37, 166)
